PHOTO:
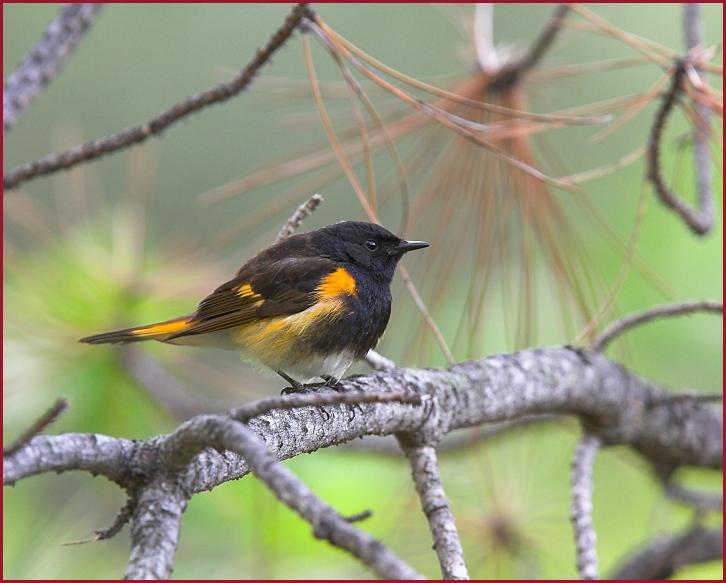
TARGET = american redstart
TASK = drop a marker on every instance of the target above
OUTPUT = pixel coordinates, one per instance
(306, 307)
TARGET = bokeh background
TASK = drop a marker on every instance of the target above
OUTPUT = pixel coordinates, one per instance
(126, 240)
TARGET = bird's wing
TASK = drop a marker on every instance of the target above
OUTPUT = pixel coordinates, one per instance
(261, 289)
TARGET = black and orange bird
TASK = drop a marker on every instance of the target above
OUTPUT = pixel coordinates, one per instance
(305, 307)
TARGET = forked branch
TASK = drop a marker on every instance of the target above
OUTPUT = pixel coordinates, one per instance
(155, 126)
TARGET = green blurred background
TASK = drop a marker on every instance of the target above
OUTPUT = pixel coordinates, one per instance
(125, 240)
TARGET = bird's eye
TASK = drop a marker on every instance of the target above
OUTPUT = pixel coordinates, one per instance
(371, 245)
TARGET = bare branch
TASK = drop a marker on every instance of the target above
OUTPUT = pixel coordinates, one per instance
(167, 470)
(90, 452)
(701, 158)
(379, 362)
(122, 518)
(155, 526)
(435, 505)
(46, 59)
(663, 556)
(155, 126)
(701, 220)
(511, 73)
(700, 501)
(559, 381)
(320, 399)
(581, 512)
(55, 411)
(678, 309)
(326, 522)
(301, 213)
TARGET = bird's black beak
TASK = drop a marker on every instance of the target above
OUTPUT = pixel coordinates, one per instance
(406, 246)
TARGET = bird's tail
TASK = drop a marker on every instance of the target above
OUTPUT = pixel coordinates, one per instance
(159, 331)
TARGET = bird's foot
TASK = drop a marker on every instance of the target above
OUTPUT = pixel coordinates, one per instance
(333, 383)
(295, 386)
(300, 389)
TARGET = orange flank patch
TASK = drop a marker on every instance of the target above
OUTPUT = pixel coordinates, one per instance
(337, 283)
(161, 329)
(277, 335)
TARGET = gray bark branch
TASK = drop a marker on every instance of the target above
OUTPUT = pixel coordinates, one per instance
(435, 506)
(617, 406)
(326, 522)
(46, 59)
(583, 463)
(155, 526)
(663, 556)
(669, 310)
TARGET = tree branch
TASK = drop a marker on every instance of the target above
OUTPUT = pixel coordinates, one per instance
(700, 501)
(581, 512)
(46, 59)
(511, 73)
(701, 220)
(168, 469)
(378, 361)
(502, 387)
(155, 126)
(663, 556)
(55, 411)
(678, 309)
(326, 522)
(155, 526)
(435, 505)
(301, 213)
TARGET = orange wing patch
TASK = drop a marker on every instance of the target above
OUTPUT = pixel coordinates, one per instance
(246, 291)
(336, 283)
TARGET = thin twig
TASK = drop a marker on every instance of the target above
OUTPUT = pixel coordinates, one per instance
(581, 510)
(301, 213)
(326, 522)
(321, 399)
(700, 501)
(378, 361)
(701, 157)
(138, 134)
(435, 505)
(511, 73)
(345, 164)
(46, 59)
(37, 427)
(122, 518)
(679, 309)
(701, 220)
(663, 556)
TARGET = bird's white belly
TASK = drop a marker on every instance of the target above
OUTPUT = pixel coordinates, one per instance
(316, 366)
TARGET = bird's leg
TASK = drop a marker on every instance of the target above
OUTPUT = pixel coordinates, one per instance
(295, 387)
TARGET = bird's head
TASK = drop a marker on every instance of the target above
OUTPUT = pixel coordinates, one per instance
(365, 245)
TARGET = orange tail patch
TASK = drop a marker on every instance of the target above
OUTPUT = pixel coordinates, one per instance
(159, 331)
